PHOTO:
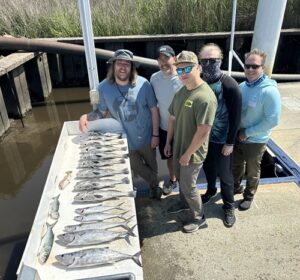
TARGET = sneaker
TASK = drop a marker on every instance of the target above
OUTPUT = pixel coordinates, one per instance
(195, 225)
(156, 193)
(239, 189)
(245, 204)
(178, 207)
(229, 217)
(207, 196)
(167, 189)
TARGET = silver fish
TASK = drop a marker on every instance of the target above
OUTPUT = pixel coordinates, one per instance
(102, 163)
(93, 217)
(98, 225)
(100, 183)
(46, 244)
(91, 237)
(105, 149)
(102, 143)
(97, 197)
(53, 209)
(103, 136)
(102, 156)
(98, 208)
(116, 167)
(101, 173)
(65, 181)
(94, 257)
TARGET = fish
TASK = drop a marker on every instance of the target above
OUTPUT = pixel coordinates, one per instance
(53, 209)
(105, 149)
(91, 237)
(98, 225)
(103, 136)
(116, 167)
(100, 183)
(82, 173)
(102, 163)
(46, 244)
(94, 196)
(112, 142)
(98, 208)
(102, 156)
(95, 257)
(65, 181)
(93, 217)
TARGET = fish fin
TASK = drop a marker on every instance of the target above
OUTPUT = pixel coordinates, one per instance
(136, 258)
(130, 231)
(127, 239)
(126, 180)
(125, 171)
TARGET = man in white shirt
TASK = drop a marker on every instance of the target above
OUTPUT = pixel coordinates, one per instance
(165, 83)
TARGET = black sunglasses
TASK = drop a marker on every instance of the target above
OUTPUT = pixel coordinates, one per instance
(253, 66)
(207, 61)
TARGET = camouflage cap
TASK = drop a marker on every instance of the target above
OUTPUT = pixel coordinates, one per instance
(186, 57)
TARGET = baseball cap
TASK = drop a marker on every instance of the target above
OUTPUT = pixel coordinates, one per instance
(122, 54)
(166, 50)
(186, 57)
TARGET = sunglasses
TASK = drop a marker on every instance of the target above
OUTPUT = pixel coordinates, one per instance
(253, 66)
(187, 70)
(207, 61)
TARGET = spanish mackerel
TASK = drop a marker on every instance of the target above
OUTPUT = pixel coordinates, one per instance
(103, 136)
(103, 143)
(94, 257)
(94, 217)
(98, 209)
(83, 173)
(95, 196)
(99, 183)
(105, 149)
(99, 225)
(102, 163)
(92, 156)
(91, 237)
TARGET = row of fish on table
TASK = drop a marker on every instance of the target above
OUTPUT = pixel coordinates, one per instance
(102, 171)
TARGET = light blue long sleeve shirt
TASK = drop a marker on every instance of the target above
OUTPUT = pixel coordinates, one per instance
(261, 109)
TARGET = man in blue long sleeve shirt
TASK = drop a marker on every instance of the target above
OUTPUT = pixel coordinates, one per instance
(261, 108)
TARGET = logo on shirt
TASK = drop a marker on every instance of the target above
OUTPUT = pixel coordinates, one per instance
(188, 103)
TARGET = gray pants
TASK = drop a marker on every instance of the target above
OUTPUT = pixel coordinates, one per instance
(187, 177)
(143, 163)
(246, 161)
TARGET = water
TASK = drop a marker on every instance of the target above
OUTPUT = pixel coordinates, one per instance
(25, 157)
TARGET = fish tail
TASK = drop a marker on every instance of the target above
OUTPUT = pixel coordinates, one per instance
(136, 258)
(132, 194)
(127, 239)
(130, 231)
(126, 180)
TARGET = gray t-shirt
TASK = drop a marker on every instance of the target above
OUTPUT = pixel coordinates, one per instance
(164, 89)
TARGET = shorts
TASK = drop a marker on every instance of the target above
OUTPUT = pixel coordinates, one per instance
(162, 143)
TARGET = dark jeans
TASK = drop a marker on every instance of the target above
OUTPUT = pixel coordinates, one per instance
(216, 164)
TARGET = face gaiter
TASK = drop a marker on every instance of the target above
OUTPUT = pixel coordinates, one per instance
(211, 69)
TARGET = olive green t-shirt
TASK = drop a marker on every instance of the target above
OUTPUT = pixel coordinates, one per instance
(192, 108)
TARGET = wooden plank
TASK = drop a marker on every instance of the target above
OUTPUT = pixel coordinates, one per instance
(19, 91)
(4, 120)
(47, 73)
(41, 73)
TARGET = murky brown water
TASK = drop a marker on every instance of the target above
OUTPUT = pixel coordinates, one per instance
(25, 158)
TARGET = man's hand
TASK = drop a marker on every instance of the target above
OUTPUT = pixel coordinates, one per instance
(242, 135)
(168, 150)
(185, 159)
(227, 150)
(83, 122)
(154, 142)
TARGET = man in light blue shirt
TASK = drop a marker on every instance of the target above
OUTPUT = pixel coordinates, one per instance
(261, 108)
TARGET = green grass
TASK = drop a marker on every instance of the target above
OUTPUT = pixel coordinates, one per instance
(60, 18)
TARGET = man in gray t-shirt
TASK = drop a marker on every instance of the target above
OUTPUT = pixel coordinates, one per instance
(165, 83)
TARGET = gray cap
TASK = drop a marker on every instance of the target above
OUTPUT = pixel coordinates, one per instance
(122, 54)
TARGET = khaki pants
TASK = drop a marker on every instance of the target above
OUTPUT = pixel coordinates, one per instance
(246, 161)
(187, 177)
(143, 163)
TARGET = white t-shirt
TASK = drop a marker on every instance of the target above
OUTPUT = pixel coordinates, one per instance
(164, 89)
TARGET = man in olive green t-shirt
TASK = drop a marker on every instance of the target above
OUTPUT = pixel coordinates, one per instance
(192, 114)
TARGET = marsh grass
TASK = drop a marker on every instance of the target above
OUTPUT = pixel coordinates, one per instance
(60, 18)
